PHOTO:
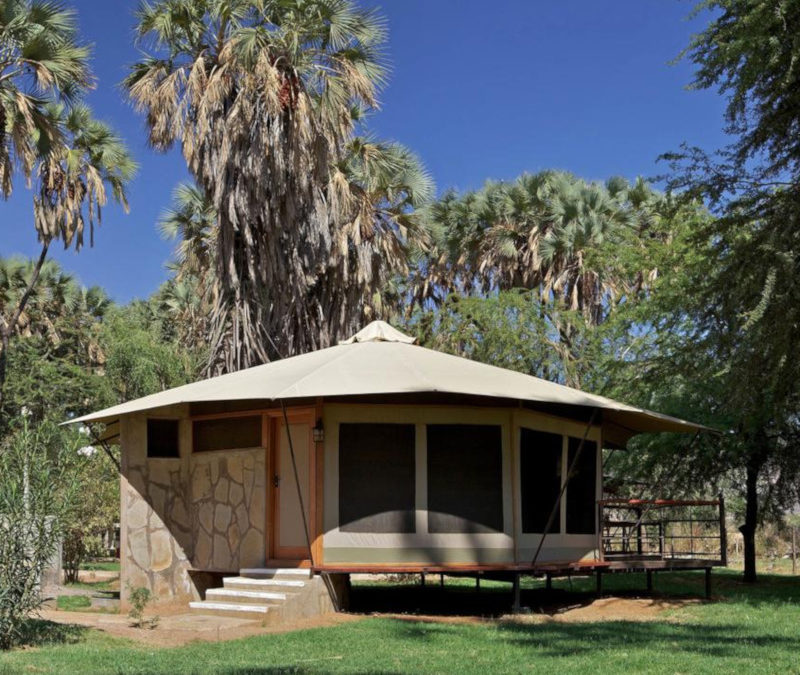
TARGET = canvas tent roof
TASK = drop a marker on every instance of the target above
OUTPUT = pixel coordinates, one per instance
(381, 360)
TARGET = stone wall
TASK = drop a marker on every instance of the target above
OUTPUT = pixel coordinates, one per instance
(229, 509)
(156, 525)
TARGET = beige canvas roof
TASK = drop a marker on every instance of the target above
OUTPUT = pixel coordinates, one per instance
(382, 360)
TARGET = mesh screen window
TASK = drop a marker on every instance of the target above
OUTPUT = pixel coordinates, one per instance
(229, 433)
(540, 479)
(376, 477)
(581, 490)
(465, 478)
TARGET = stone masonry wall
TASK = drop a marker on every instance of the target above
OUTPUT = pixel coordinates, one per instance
(229, 509)
(156, 527)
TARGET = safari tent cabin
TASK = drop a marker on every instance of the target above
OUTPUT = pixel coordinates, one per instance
(376, 455)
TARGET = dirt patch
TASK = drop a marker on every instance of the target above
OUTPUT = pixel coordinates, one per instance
(603, 609)
(611, 609)
(175, 630)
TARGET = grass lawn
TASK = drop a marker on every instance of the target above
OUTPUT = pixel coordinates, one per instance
(92, 585)
(101, 565)
(747, 629)
(73, 603)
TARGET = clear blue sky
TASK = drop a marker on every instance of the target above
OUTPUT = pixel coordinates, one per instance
(479, 90)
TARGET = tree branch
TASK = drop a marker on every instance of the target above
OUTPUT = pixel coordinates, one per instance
(9, 327)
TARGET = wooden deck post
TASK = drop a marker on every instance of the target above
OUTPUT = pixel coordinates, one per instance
(708, 583)
(516, 607)
(599, 582)
(794, 550)
(649, 581)
(548, 583)
(422, 579)
(723, 532)
(478, 583)
(441, 580)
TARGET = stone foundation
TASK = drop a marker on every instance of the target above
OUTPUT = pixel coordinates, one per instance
(155, 532)
(198, 511)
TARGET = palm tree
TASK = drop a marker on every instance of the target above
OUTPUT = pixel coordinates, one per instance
(542, 232)
(41, 61)
(74, 176)
(572, 242)
(265, 98)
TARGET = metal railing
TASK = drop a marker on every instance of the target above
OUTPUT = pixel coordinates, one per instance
(663, 529)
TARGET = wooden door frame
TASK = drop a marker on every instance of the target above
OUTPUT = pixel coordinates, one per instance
(275, 423)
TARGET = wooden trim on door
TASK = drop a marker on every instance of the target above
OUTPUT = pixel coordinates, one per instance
(317, 482)
(302, 416)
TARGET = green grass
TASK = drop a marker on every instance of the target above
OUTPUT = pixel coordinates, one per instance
(92, 585)
(73, 603)
(101, 565)
(746, 629)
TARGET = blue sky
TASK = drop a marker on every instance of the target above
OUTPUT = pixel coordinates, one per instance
(478, 89)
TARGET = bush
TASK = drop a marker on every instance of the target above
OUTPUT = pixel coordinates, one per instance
(38, 490)
(74, 551)
(139, 598)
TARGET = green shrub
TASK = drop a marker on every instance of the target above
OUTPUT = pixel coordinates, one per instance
(37, 495)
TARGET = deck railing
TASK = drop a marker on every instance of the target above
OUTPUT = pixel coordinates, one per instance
(663, 529)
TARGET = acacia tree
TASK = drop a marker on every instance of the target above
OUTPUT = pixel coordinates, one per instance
(748, 307)
(265, 97)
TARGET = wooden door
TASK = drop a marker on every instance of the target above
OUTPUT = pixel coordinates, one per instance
(289, 541)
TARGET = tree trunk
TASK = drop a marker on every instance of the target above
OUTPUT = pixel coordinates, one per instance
(748, 529)
(4, 340)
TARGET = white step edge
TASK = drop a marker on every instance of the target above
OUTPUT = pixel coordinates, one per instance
(299, 571)
(229, 607)
(243, 581)
(235, 593)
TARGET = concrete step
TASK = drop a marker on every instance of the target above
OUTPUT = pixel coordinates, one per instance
(258, 612)
(243, 596)
(259, 584)
(275, 572)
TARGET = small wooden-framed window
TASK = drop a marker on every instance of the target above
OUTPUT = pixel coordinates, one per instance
(162, 439)
(226, 433)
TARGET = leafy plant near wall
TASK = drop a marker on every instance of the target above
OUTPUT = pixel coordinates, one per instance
(139, 598)
(39, 492)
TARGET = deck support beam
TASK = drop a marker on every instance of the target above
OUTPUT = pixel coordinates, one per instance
(548, 581)
(599, 582)
(516, 589)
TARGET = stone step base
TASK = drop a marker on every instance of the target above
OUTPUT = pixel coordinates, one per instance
(243, 596)
(248, 611)
(271, 595)
(254, 584)
(276, 572)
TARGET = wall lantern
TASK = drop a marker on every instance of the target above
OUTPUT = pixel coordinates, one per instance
(318, 432)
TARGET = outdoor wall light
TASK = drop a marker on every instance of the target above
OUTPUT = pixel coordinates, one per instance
(318, 432)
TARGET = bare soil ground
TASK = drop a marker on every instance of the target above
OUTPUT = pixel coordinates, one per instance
(174, 630)
(601, 609)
